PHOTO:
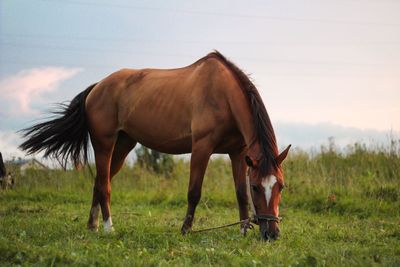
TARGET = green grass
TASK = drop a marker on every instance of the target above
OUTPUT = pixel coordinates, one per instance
(338, 210)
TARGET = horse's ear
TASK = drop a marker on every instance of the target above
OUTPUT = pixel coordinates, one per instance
(279, 159)
(251, 162)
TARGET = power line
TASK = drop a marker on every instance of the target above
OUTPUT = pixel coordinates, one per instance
(25, 62)
(223, 14)
(91, 49)
(200, 42)
(181, 55)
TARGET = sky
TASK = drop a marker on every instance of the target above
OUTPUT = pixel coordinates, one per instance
(323, 68)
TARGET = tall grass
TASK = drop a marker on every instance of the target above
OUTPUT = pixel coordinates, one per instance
(358, 180)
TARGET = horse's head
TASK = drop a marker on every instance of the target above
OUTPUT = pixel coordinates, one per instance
(265, 194)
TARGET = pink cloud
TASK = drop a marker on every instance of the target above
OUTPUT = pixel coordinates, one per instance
(28, 86)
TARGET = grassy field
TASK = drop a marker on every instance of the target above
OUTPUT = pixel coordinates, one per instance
(338, 209)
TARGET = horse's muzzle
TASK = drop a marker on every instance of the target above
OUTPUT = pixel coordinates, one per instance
(269, 230)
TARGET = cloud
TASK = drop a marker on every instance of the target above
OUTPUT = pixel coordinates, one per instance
(20, 90)
(9, 142)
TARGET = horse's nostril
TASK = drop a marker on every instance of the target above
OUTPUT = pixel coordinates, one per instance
(264, 235)
(269, 235)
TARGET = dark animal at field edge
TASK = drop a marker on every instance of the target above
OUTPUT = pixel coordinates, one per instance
(2, 167)
(6, 179)
(208, 107)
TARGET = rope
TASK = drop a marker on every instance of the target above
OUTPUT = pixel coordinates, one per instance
(246, 222)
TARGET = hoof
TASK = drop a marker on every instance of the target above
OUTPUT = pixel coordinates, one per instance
(93, 228)
(245, 227)
(187, 225)
(243, 231)
(108, 226)
(185, 230)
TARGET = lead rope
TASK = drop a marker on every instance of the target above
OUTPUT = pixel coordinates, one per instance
(246, 222)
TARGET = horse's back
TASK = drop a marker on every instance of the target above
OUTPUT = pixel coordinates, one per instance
(163, 109)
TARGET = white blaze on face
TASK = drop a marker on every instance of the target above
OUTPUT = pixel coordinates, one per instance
(268, 183)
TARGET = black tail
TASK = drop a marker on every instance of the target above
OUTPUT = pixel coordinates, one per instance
(64, 137)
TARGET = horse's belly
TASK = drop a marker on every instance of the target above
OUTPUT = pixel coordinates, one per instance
(177, 146)
(161, 133)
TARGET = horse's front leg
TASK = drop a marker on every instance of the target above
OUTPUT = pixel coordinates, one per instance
(239, 176)
(201, 152)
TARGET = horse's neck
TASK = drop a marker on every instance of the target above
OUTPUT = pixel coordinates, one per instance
(254, 148)
(245, 122)
(250, 136)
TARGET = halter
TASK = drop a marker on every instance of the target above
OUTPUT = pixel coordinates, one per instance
(256, 217)
(246, 223)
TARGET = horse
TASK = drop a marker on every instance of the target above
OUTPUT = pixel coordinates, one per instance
(210, 106)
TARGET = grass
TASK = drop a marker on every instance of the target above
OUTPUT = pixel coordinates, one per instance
(339, 209)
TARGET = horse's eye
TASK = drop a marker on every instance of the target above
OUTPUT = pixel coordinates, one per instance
(255, 188)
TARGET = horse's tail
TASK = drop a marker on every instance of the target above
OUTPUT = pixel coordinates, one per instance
(64, 137)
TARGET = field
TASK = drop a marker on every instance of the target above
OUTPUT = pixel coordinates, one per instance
(338, 209)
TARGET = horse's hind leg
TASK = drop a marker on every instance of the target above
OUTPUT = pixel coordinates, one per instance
(123, 146)
(103, 149)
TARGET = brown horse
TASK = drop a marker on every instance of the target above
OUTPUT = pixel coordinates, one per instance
(208, 107)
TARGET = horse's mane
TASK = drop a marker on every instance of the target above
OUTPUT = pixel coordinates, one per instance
(262, 122)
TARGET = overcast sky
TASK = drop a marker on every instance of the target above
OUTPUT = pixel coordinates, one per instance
(324, 68)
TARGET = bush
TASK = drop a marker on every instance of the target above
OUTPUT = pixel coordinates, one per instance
(155, 161)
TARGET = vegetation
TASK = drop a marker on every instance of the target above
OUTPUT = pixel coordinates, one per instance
(154, 161)
(339, 208)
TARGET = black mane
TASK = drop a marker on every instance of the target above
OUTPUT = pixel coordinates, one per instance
(262, 122)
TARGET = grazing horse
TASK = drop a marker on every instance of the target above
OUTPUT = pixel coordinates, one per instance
(208, 107)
